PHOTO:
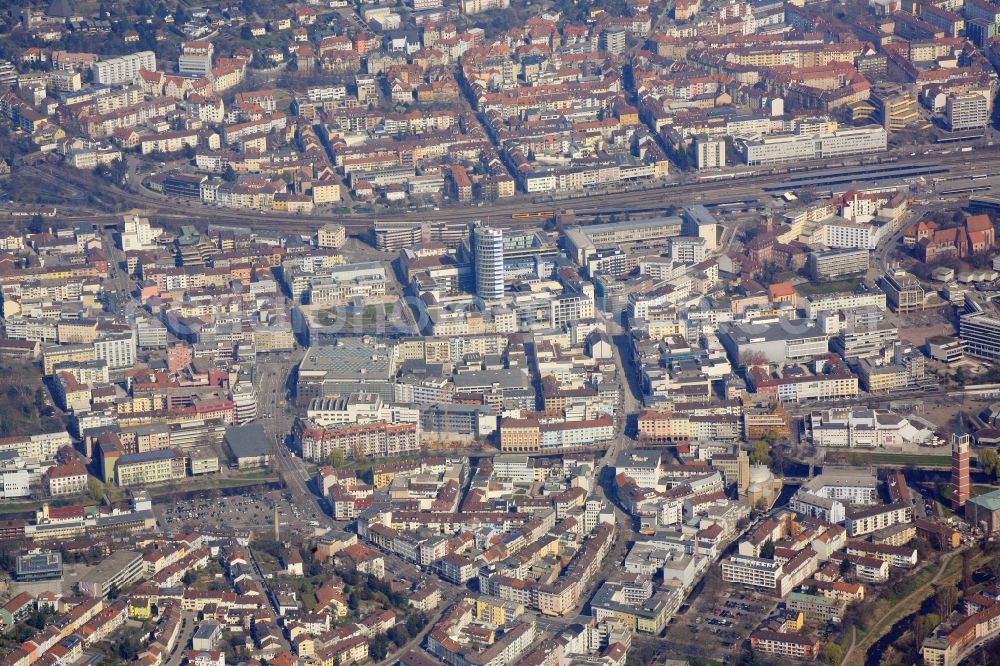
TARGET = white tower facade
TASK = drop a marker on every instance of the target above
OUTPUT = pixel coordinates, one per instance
(488, 253)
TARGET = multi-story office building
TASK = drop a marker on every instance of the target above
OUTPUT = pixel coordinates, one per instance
(150, 467)
(394, 237)
(903, 291)
(116, 572)
(895, 107)
(488, 256)
(244, 397)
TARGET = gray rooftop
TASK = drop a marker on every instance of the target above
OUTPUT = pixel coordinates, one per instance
(249, 441)
(782, 329)
(349, 358)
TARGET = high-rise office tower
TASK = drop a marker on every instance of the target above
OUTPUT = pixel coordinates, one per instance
(487, 249)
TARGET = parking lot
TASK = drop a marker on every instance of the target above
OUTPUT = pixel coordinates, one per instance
(718, 620)
(250, 510)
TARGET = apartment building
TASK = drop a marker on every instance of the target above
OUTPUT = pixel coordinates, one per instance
(117, 350)
(903, 557)
(67, 479)
(123, 69)
(865, 520)
(836, 263)
(370, 440)
(752, 572)
(966, 111)
(793, 645)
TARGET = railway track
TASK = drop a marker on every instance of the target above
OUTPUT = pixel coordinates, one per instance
(499, 214)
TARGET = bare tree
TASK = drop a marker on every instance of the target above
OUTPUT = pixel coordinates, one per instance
(945, 599)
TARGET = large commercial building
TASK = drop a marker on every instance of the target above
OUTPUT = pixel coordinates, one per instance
(582, 242)
(979, 327)
(776, 340)
(488, 256)
(778, 148)
(123, 69)
(349, 366)
(249, 446)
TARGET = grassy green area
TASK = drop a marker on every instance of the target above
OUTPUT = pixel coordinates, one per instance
(952, 572)
(834, 287)
(900, 459)
(215, 484)
(7, 508)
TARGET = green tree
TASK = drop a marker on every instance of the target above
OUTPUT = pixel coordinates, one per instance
(748, 658)
(336, 458)
(115, 172)
(399, 635)
(833, 653)
(37, 224)
(767, 550)
(760, 453)
(353, 600)
(128, 648)
(379, 647)
(989, 462)
(229, 174)
(95, 488)
(930, 622)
